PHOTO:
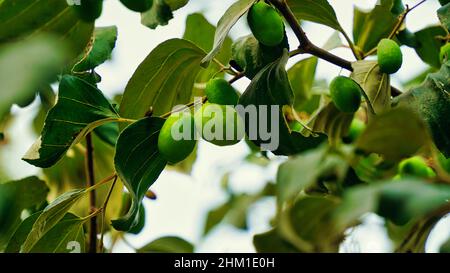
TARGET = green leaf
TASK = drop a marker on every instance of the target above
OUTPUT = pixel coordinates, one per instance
(138, 164)
(200, 32)
(51, 216)
(28, 18)
(104, 43)
(271, 87)
(444, 16)
(308, 224)
(169, 244)
(318, 11)
(370, 27)
(445, 248)
(301, 76)
(432, 101)
(430, 45)
(52, 242)
(272, 242)
(15, 196)
(45, 54)
(376, 85)
(80, 108)
(396, 134)
(226, 22)
(161, 12)
(164, 79)
(331, 122)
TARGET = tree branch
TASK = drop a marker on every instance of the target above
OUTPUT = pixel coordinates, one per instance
(90, 175)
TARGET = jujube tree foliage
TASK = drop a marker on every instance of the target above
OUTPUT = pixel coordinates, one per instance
(355, 147)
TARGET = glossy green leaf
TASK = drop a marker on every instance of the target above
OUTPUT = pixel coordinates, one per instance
(404, 129)
(317, 11)
(432, 101)
(375, 84)
(51, 216)
(169, 244)
(28, 18)
(370, 27)
(15, 196)
(45, 54)
(301, 76)
(73, 240)
(80, 108)
(164, 79)
(430, 44)
(104, 43)
(271, 87)
(138, 164)
(444, 16)
(161, 12)
(226, 22)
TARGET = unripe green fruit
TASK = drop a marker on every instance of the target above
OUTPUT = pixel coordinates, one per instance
(444, 2)
(266, 24)
(445, 52)
(138, 5)
(89, 10)
(219, 124)
(177, 145)
(415, 166)
(221, 92)
(356, 129)
(346, 94)
(390, 57)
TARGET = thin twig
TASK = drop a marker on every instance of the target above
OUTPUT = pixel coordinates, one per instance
(90, 175)
(105, 204)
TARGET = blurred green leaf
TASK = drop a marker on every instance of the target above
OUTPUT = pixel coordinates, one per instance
(46, 55)
(80, 108)
(226, 22)
(161, 12)
(444, 16)
(138, 164)
(169, 244)
(28, 18)
(104, 43)
(317, 11)
(163, 80)
(432, 101)
(301, 76)
(15, 196)
(372, 26)
(445, 248)
(395, 134)
(272, 242)
(430, 45)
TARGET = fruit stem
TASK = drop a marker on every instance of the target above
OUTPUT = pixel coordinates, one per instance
(90, 175)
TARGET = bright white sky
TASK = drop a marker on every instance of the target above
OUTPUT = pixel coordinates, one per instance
(183, 201)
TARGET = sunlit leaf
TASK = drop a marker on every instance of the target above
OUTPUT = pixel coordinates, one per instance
(168, 244)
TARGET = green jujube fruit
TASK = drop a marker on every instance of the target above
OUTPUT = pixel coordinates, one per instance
(390, 57)
(445, 52)
(346, 94)
(89, 10)
(138, 5)
(266, 24)
(221, 92)
(415, 166)
(175, 148)
(218, 124)
(356, 128)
